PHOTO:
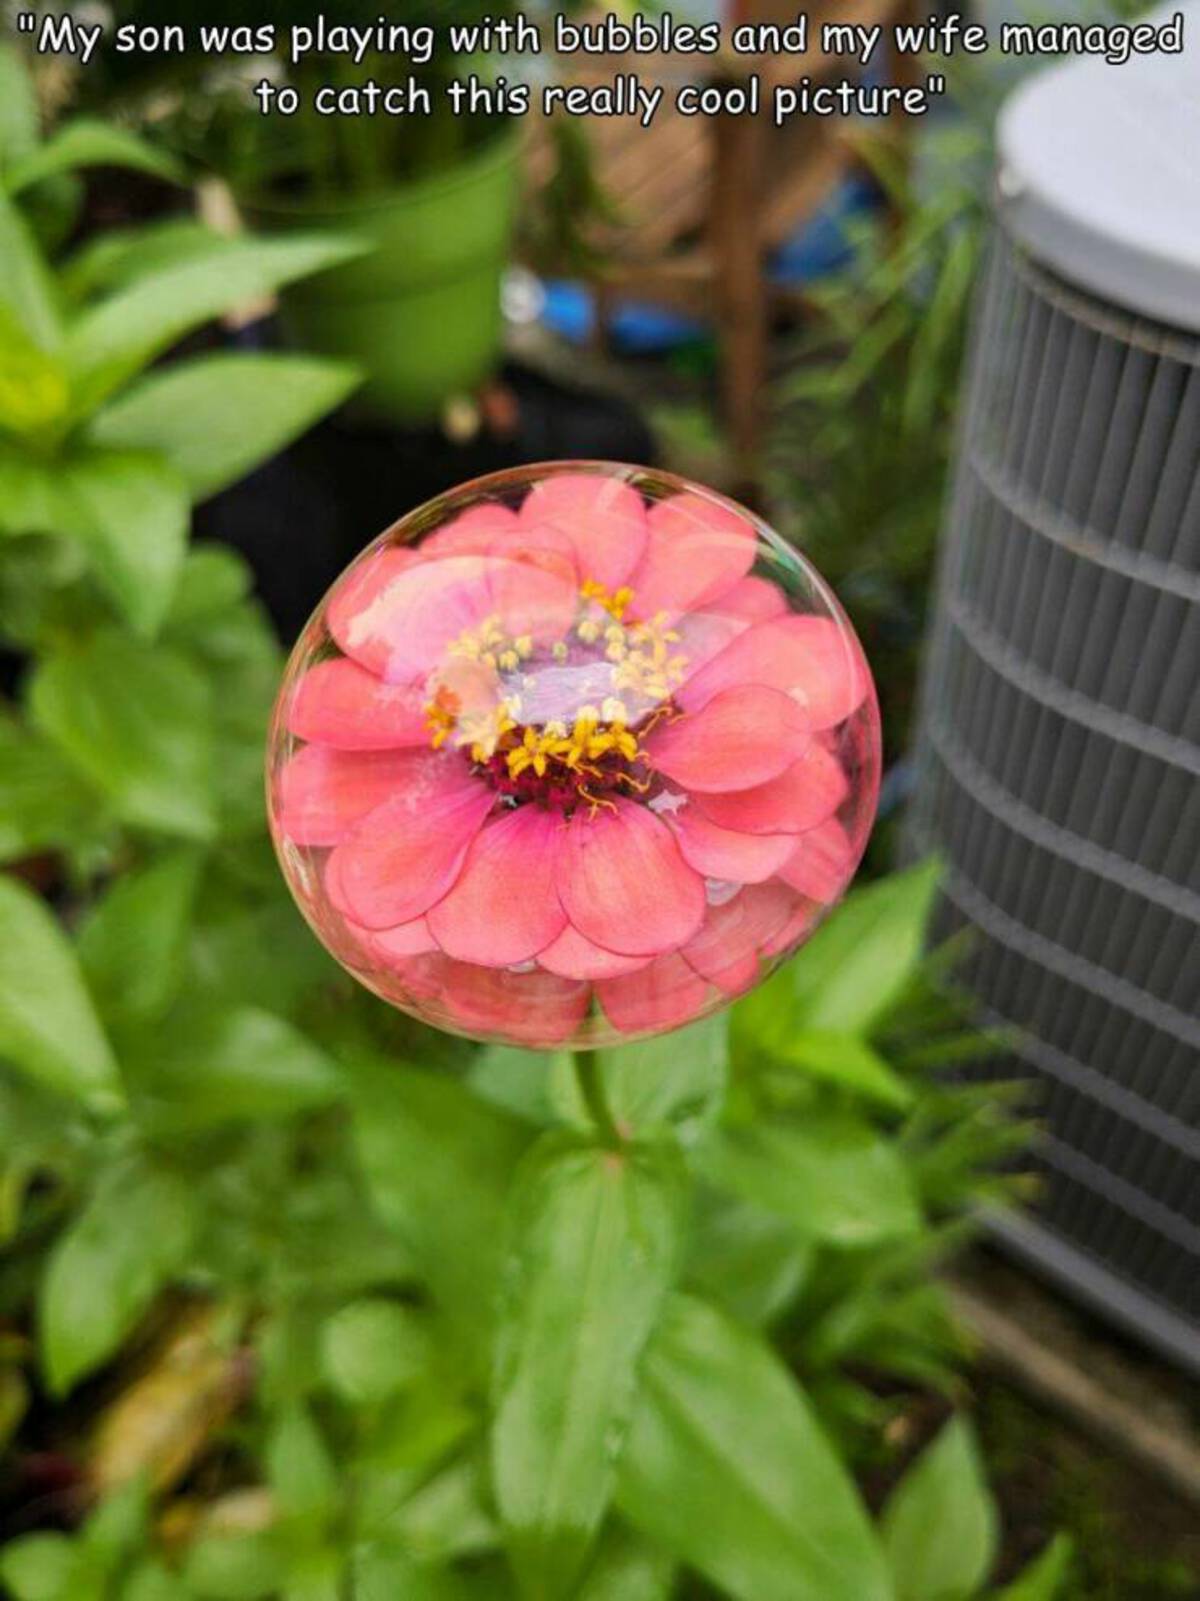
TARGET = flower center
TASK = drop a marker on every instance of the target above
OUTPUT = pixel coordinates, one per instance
(560, 723)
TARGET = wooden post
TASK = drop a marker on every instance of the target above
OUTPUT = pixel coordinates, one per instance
(741, 293)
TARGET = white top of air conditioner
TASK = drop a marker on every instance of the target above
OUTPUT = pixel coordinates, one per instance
(1100, 174)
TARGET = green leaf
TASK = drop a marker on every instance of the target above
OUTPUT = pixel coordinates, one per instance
(628, 1568)
(372, 1349)
(137, 720)
(438, 1163)
(299, 1468)
(132, 1237)
(112, 340)
(521, 1081)
(857, 964)
(150, 1581)
(132, 944)
(836, 1179)
(84, 143)
(209, 1068)
(33, 385)
(40, 1567)
(748, 1261)
(48, 1025)
(214, 581)
(235, 1567)
(43, 802)
(19, 119)
(594, 1249)
(726, 1467)
(386, 1572)
(120, 256)
(1044, 1579)
(849, 1063)
(129, 510)
(939, 1525)
(216, 418)
(678, 1080)
(26, 287)
(449, 1517)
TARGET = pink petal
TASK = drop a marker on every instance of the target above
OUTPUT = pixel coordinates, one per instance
(572, 956)
(321, 794)
(408, 853)
(504, 906)
(624, 884)
(392, 946)
(803, 918)
(754, 600)
(821, 863)
(723, 854)
(808, 658)
(736, 934)
(478, 531)
(604, 518)
(697, 550)
(536, 1009)
(534, 591)
(339, 703)
(666, 994)
(742, 737)
(808, 792)
(397, 616)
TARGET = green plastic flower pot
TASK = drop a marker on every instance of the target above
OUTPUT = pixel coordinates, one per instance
(420, 313)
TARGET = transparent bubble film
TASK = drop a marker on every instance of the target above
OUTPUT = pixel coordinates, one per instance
(573, 755)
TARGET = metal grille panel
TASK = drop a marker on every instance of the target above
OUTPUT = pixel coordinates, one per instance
(1059, 769)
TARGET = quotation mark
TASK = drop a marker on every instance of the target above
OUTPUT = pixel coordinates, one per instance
(26, 21)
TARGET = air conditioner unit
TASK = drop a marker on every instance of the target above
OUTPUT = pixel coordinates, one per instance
(1059, 733)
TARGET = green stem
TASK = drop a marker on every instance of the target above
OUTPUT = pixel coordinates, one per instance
(591, 1087)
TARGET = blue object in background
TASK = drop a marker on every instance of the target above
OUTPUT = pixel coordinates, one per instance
(818, 247)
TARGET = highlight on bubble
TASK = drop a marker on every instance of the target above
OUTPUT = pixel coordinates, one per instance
(575, 754)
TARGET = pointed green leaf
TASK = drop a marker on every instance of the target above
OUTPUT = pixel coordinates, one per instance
(727, 1468)
(833, 1178)
(26, 288)
(129, 510)
(85, 143)
(133, 1235)
(299, 1467)
(137, 721)
(218, 417)
(939, 1525)
(118, 336)
(855, 966)
(48, 1025)
(438, 1163)
(19, 119)
(593, 1250)
(849, 1063)
(1044, 1579)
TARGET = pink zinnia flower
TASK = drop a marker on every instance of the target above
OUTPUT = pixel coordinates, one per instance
(573, 761)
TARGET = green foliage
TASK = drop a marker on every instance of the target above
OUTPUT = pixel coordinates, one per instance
(939, 1527)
